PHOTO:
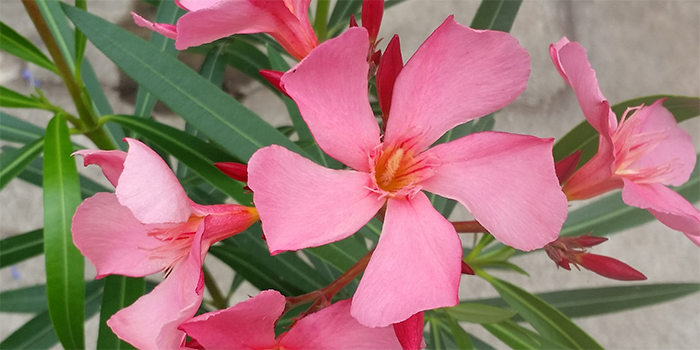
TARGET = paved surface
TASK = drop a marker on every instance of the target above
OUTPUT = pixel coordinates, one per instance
(637, 48)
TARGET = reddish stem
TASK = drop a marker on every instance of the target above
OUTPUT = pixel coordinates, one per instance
(469, 227)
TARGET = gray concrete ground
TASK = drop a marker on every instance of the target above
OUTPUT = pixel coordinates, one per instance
(638, 48)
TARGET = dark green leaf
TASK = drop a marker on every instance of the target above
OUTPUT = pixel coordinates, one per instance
(518, 337)
(190, 150)
(340, 16)
(461, 337)
(479, 313)
(598, 301)
(547, 320)
(215, 113)
(64, 263)
(11, 164)
(610, 214)
(13, 99)
(17, 130)
(17, 45)
(119, 292)
(30, 300)
(496, 14)
(38, 332)
(342, 255)
(168, 12)
(583, 137)
(21, 247)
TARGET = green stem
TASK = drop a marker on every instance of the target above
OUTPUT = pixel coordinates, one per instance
(321, 20)
(485, 240)
(218, 299)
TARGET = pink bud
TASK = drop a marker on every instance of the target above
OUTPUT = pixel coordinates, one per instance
(236, 171)
(389, 68)
(567, 166)
(353, 22)
(609, 267)
(274, 77)
(410, 332)
(372, 12)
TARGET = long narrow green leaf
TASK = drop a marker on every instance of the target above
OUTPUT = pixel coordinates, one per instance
(460, 336)
(11, 164)
(13, 99)
(21, 247)
(64, 263)
(610, 214)
(38, 332)
(198, 155)
(17, 45)
(215, 113)
(518, 337)
(496, 15)
(599, 301)
(119, 292)
(29, 300)
(479, 313)
(342, 255)
(547, 320)
(168, 12)
(17, 130)
(583, 137)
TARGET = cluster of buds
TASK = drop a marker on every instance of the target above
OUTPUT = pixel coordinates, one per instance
(567, 251)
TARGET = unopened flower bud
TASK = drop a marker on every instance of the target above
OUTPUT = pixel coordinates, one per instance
(609, 267)
(236, 171)
(274, 78)
(567, 166)
(410, 332)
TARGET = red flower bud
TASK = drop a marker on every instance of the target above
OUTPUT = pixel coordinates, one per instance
(588, 241)
(372, 12)
(353, 22)
(609, 267)
(567, 166)
(410, 332)
(236, 171)
(389, 68)
(466, 269)
(274, 77)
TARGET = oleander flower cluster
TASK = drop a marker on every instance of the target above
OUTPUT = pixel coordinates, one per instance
(392, 161)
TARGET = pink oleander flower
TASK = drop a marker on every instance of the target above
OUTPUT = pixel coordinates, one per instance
(287, 21)
(641, 153)
(150, 225)
(506, 181)
(251, 325)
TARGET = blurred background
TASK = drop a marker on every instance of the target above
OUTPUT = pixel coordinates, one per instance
(637, 48)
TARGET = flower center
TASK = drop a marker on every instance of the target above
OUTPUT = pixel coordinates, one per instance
(177, 240)
(399, 168)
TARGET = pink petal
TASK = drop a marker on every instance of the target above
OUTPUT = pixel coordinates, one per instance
(165, 29)
(330, 88)
(247, 325)
(109, 235)
(111, 162)
(582, 78)
(416, 265)
(458, 74)
(228, 17)
(194, 5)
(596, 176)
(554, 55)
(149, 188)
(666, 205)
(333, 328)
(152, 321)
(225, 220)
(675, 151)
(302, 204)
(507, 182)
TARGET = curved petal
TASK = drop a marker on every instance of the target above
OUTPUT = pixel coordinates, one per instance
(149, 188)
(582, 78)
(111, 162)
(109, 235)
(302, 204)
(666, 205)
(330, 88)
(416, 265)
(507, 182)
(165, 29)
(194, 5)
(333, 328)
(152, 321)
(228, 17)
(249, 324)
(554, 55)
(674, 153)
(458, 74)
